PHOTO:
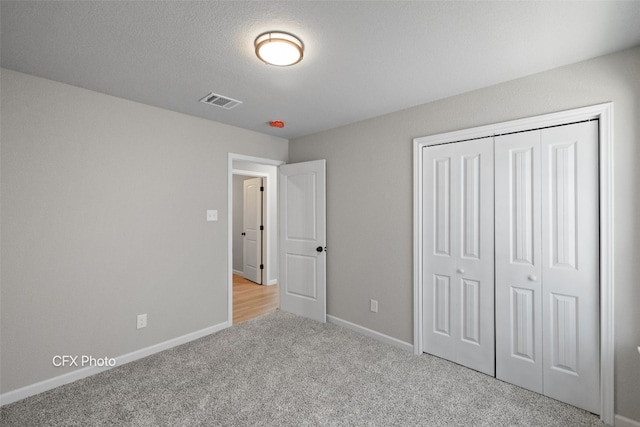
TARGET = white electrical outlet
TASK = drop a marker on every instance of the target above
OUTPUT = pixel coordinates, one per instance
(374, 305)
(212, 215)
(142, 321)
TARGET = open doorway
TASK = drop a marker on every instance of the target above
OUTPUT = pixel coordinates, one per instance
(252, 293)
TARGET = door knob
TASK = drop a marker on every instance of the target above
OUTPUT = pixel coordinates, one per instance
(461, 270)
(532, 278)
(319, 249)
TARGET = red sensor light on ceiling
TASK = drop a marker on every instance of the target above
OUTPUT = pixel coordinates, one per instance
(276, 124)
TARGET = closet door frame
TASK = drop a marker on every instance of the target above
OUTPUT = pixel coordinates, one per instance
(602, 112)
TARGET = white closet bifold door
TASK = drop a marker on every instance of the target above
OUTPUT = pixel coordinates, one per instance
(518, 260)
(570, 245)
(458, 253)
(547, 287)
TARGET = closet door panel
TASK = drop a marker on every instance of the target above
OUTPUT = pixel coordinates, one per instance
(441, 326)
(570, 264)
(458, 284)
(475, 263)
(518, 263)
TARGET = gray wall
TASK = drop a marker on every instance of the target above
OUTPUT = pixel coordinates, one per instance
(370, 196)
(103, 218)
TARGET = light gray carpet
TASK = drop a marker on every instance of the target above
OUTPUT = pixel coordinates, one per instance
(283, 370)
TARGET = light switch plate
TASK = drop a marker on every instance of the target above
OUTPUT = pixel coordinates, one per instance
(212, 215)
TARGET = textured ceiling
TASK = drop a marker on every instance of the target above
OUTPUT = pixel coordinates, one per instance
(362, 59)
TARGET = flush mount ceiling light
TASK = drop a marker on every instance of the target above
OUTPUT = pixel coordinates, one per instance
(278, 48)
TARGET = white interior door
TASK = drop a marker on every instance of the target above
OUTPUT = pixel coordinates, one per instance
(458, 286)
(570, 291)
(547, 317)
(252, 224)
(518, 260)
(302, 210)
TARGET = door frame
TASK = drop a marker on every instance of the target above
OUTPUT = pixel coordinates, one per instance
(231, 157)
(603, 112)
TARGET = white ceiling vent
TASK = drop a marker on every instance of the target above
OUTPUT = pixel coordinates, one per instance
(220, 101)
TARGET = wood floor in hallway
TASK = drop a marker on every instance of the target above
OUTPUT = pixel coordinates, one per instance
(251, 300)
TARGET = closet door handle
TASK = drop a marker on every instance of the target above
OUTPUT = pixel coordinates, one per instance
(461, 270)
(532, 278)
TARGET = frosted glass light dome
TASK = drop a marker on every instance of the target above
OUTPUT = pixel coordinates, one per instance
(278, 48)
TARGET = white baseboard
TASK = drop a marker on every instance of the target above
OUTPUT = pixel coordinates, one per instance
(42, 386)
(371, 333)
(626, 422)
(238, 272)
